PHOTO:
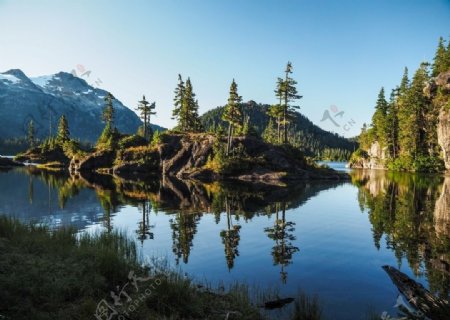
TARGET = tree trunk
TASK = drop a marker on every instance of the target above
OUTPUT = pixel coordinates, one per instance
(229, 139)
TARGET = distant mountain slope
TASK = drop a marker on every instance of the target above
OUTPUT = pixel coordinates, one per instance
(44, 99)
(313, 140)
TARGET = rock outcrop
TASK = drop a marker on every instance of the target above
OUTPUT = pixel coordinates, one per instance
(36, 156)
(188, 156)
(443, 131)
(94, 161)
(374, 159)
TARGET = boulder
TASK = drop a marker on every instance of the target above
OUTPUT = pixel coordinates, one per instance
(94, 161)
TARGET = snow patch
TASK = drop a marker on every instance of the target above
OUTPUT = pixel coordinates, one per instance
(87, 92)
(9, 77)
(41, 81)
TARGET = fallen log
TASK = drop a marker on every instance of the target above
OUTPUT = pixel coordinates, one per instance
(418, 296)
(276, 304)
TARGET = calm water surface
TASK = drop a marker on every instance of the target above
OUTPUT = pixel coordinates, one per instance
(320, 237)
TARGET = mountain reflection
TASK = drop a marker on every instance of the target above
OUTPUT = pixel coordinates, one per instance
(413, 213)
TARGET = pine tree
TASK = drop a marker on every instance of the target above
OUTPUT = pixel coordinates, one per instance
(177, 112)
(289, 94)
(108, 110)
(63, 134)
(392, 124)
(232, 113)
(414, 115)
(189, 109)
(441, 63)
(276, 111)
(379, 119)
(31, 134)
(146, 110)
(270, 135)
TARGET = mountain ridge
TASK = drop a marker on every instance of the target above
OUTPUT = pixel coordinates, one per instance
(44, 99)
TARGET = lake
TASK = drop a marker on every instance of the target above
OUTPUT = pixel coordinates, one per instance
(324, 238)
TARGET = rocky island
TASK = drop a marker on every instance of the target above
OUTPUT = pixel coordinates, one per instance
(198, 156)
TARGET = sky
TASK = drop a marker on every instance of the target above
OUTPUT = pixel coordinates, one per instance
(343, 51)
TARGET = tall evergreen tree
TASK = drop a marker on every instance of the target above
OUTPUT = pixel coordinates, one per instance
(289, 94)
(63, 134)
(441, 63)
(404, 115)
(276, 111)
(392, 124)
(232, 113)
(146, 110)
(177, 112)
(379, 119)
(416, 105)
(31, 133)
(189, 118)
(108, 110)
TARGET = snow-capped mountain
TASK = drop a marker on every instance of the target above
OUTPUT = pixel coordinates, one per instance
(44, 99)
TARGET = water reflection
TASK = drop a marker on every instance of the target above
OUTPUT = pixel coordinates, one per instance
(413, 213)
(282, 233)
(311, 233)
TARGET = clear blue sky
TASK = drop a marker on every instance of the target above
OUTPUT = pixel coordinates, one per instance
(342, 51)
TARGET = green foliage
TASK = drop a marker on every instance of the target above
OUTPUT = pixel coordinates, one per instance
(302, 133)
(379, 120)
(146, 110)
(233, 114)
(186, 107)
(406, 126)
(157, 139)
(108, 110)
(428, 164)
(50, 144)
(441, 58)
(287, 90)
(307, 308)
(108, 139)
(31, 134)
(63, 134)
(131, 141)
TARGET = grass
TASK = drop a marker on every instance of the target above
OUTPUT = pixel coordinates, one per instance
(57, 274)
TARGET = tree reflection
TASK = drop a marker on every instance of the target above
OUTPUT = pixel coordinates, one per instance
(184, 227)
(143, 230)
(281, 233)
(412, 212)
(230, 237)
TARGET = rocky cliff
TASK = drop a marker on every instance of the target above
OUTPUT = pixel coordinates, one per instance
(443, 131)
(440, 89)
(374, 158)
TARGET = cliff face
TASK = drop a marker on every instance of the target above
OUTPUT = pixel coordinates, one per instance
(443, 131)
(376, 156)
(439, 89)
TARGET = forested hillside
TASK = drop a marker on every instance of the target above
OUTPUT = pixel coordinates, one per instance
(302, 133)
(409, 130)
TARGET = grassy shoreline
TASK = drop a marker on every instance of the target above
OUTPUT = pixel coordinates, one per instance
(55, 274)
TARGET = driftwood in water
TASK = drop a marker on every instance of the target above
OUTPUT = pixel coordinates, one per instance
(423, 300)
(276, 304)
